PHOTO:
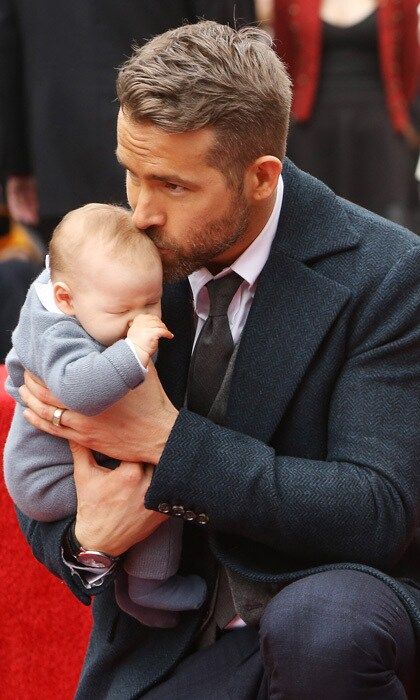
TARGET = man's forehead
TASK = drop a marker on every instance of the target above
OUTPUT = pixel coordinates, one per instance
(146, 140)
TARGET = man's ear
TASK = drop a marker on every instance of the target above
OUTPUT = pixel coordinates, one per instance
(63, 298)
(261, 178)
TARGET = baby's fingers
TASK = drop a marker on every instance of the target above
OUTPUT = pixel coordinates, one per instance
(165, 333)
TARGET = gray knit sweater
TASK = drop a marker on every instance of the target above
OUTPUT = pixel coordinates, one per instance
(83, 375)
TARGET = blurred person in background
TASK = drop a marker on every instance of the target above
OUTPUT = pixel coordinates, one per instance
(20, 262)
(354, 66)
(57, 95)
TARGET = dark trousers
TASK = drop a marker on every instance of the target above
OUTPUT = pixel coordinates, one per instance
(339, 635)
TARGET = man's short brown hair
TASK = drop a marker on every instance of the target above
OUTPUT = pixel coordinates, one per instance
(210, 75)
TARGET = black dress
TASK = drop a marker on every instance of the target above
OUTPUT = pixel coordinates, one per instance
(349, 141)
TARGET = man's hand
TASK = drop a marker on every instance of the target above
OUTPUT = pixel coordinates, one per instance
(111, 516)
(135, 429)
(22, 199)
(145, 332)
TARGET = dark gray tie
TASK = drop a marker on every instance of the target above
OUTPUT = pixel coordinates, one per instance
(214, 346)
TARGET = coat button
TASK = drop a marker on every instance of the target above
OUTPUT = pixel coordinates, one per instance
(202, 519)
(164, 508)
(293, 8)
(178, 511)
(190, 516)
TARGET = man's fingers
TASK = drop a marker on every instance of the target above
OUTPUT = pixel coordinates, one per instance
(33, 377)
(132, 471)
(38, 389)
(85, 465)
(79, 452)
(47, 426)
(40, 415)
(38, 406)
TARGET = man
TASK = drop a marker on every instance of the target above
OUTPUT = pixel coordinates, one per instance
(293, 468)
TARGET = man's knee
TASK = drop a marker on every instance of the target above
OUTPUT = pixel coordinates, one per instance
(339, 616)
(334, 634)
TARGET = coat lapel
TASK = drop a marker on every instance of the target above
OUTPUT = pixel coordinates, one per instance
(293, 308)
(292, 311)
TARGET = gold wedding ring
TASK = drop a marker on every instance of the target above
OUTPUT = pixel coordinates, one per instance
(56, 416)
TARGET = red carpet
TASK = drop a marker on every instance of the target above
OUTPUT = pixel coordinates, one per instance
(44, 629)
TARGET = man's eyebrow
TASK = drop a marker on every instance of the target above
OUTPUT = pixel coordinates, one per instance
(175, 178)
(163, 177)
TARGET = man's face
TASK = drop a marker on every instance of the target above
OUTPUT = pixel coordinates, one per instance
(183, 204)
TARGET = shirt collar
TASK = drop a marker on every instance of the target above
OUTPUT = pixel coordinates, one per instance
(45, 292)
(252, 260)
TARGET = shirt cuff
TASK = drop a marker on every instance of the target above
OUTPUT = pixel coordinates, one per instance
(133, 350)
(89, 576)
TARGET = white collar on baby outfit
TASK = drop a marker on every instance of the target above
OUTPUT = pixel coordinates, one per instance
(45, 292)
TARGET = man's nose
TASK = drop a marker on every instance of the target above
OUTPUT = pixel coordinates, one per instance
(147, 214)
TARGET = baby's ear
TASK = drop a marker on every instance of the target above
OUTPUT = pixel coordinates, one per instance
(63, 298)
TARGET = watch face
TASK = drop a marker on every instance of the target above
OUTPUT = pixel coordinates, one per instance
(96, 560)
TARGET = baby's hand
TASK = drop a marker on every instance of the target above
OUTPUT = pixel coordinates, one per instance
(144, 332)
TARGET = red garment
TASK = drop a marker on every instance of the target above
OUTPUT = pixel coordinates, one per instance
(298, 36)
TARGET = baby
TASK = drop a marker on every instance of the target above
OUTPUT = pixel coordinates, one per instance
(88, 329)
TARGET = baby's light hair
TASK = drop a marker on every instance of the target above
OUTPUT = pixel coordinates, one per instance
(114, 230)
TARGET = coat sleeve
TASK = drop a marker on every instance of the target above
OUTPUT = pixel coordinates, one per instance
(83, 378)
(45, 540)
(14, 151)
(359, 503)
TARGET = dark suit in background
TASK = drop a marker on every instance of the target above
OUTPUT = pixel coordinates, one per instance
(315, 468)
(58, 108)
(15, 278)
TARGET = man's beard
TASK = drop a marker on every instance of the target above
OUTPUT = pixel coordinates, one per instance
(202, 245)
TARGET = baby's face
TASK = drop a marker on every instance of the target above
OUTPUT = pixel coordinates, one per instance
(112, 294)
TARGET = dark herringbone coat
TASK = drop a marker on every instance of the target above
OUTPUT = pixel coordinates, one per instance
(315, 468)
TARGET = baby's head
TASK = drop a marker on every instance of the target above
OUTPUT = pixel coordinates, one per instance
(104, 271)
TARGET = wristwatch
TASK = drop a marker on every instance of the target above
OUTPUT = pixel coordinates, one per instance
(87, 557)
